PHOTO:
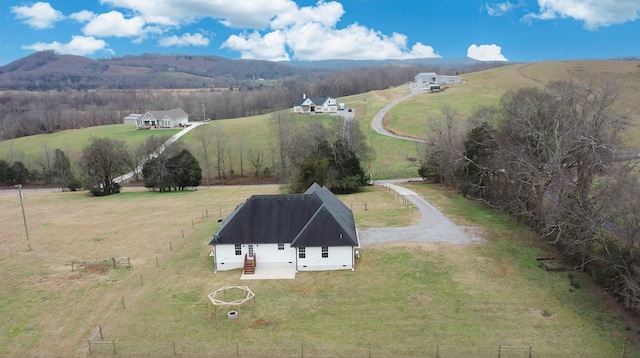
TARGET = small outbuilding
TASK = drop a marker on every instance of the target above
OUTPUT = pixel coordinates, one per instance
(313, 231)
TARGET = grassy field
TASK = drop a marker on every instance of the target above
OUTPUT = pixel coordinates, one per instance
(31, 150)
(413, 117)
(402, 300)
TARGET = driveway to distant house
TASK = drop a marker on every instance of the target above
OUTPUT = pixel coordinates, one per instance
(159, 151)
(378, 119)
(433, 227)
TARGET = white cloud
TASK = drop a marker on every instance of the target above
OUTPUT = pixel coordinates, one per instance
(39, 15)
(498, 9)
(79, 45)
(82, 16)
(310, 33)
(252, 14)
(594, 13)
(486, 53)
(325, 13)
(114, 24)
(184, 40)
(254, 46)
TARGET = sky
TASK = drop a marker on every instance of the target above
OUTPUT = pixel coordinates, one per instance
(302, 30)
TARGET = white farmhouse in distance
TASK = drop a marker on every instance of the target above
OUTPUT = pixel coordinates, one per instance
(315, 105)
(426, 78)
(172, 118)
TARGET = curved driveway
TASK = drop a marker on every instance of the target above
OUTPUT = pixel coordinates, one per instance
(378, 119)
(434, 226)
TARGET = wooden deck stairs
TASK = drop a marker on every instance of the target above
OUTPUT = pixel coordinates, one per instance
(249, 265)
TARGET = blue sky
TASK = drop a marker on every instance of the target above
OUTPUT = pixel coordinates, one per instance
(514, 30)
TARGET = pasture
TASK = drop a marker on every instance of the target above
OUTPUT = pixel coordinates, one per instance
(402, 300)
(415, 116)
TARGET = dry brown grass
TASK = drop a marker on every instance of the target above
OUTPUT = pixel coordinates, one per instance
(46, 309)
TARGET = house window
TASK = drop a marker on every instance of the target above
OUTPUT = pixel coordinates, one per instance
(238, 250)
(250, 251)
(280, 246)
(325, 252)
(302, 253)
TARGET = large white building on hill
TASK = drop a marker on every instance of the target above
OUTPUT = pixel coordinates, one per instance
(426, 78)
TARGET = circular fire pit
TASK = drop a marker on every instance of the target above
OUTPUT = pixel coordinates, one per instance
(232, 314)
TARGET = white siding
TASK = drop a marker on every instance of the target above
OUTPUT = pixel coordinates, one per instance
(340, 258)
(266, 255)
(226, 258)
(269, 255)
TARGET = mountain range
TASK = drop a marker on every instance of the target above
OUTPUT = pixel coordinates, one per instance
(47, 70)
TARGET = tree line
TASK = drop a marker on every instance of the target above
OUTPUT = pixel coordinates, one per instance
(24, 113)
(552, 158)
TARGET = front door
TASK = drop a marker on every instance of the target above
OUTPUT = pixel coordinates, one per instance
(250, 251)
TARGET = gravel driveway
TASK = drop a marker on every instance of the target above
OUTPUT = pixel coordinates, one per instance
(434, 227)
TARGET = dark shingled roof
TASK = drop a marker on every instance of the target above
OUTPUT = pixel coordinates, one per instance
(315, 218)
(316, 101)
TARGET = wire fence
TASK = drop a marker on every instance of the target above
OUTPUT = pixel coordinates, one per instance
(101, 343)
(320, 350)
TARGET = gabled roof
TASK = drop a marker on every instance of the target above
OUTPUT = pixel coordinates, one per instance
(172, 113)
(315, 218)
(316, 101)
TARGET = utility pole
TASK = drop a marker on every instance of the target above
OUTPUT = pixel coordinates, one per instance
(24, 217)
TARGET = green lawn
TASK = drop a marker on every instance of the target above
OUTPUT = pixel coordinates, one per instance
(412, 300)
(412, 117)
(31, 150)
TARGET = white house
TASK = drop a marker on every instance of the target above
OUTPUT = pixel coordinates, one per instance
(426, 78)
(313, 231)
(315, 105)
(163, 119)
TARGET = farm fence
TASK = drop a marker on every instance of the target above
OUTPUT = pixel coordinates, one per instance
(317, 350)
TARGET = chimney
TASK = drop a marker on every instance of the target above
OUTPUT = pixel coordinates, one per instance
(304, 96)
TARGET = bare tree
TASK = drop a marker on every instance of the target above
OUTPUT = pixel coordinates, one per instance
(220, 147)
(257, 159)
(443, 149)
(281, 127)
(202, 135)
(102, 161)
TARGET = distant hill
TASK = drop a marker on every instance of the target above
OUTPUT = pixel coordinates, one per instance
(49, 71)
(446, 63)
(46, 70)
